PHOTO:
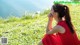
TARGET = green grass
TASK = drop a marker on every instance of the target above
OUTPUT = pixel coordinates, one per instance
(29, 31)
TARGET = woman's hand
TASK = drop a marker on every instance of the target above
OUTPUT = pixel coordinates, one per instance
(50, 16)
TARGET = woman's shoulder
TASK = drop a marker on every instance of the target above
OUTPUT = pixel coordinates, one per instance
(60, 28)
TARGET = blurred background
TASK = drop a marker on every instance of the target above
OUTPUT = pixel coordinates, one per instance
(24, 22)
(21, 7)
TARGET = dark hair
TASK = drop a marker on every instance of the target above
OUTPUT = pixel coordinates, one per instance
(63, 11)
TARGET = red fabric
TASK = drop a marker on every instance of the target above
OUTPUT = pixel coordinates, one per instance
(61, 39)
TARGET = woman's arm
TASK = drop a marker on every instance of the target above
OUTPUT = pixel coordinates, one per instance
(50, 30)
(49, 26)
(57, 28)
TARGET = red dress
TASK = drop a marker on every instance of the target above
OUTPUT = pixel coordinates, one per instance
(61, 39)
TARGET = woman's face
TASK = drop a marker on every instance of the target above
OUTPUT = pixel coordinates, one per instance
(55, 14)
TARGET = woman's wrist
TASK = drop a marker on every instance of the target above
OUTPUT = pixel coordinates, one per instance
(50, 21)
(49, 25)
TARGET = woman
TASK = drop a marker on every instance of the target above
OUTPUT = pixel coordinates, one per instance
(65, 33)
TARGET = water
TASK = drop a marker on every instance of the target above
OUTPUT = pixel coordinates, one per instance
(19, 7)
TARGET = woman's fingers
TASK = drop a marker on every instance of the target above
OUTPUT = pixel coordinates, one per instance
(50, 15)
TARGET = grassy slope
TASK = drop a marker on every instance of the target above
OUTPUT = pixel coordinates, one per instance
(22, 31)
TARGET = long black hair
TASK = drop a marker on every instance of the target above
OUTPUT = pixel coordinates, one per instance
(63, 11)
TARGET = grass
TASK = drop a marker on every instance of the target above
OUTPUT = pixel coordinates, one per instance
(29, 31)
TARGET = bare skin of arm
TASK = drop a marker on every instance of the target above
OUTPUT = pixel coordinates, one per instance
(56, 29)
